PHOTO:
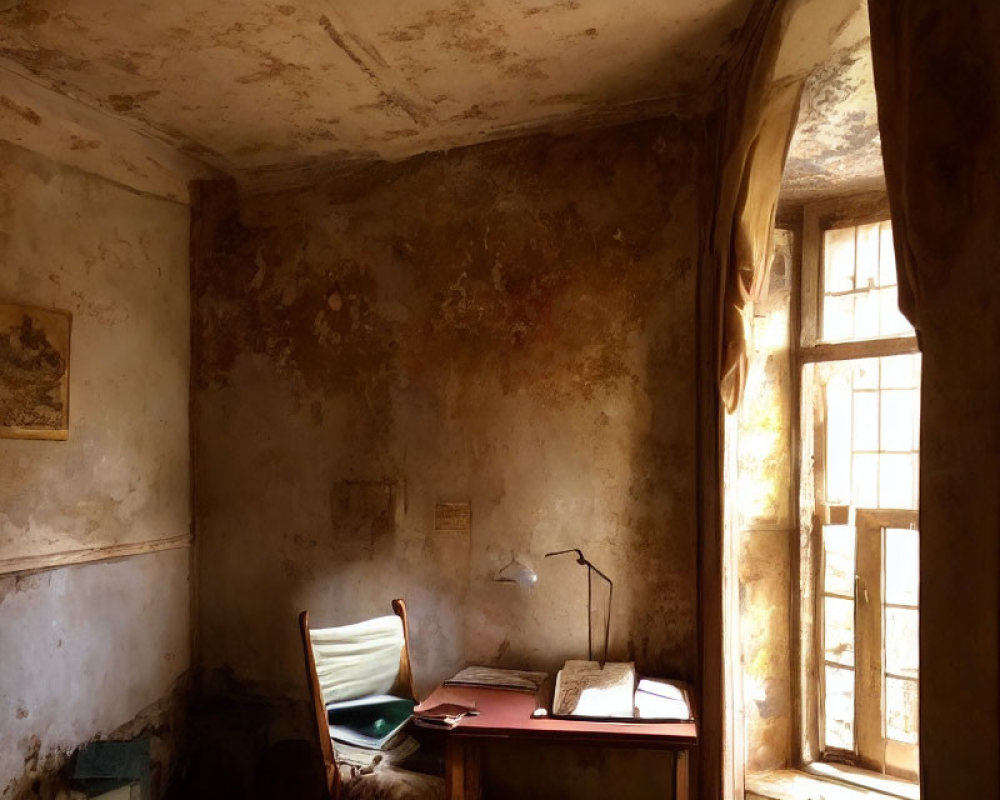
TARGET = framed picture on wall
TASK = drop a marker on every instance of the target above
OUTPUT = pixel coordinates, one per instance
(34, 372)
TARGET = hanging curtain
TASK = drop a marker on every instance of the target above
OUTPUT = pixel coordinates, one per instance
(758, 120)
(936, 82)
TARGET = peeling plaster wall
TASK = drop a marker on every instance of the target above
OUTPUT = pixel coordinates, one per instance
(761, 520)
(511, 325)
(85, 649)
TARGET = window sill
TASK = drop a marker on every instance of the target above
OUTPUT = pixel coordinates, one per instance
(835, 783)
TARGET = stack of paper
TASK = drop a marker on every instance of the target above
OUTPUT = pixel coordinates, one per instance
(496, 678)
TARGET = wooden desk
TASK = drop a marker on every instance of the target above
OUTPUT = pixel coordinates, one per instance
(506, 715)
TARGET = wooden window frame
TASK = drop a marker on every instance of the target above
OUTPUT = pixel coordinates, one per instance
(810, 349)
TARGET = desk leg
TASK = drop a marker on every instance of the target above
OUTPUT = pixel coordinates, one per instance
(462, 764)
(682, 775)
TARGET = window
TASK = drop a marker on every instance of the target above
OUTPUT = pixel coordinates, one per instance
(859, 448)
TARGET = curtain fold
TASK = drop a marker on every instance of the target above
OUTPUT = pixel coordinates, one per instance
(936, 85)
(758, 121)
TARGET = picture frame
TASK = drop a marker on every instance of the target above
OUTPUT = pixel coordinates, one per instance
(34, 372)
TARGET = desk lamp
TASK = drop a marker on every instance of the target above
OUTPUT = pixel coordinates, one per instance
(516, 572)
(591, 571)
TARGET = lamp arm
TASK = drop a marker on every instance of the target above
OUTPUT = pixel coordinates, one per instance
(579, 555)
(582, 560)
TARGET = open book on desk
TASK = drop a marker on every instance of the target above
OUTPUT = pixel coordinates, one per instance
(587, 690)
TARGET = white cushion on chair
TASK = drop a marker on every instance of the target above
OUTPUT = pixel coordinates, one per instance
(358, 660)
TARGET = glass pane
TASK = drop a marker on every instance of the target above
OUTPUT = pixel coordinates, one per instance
(866, 421)
(838, 317)
(887, 257)
(838, 440)
(896, 481)
(901, 710)
(866, 373)
(902, 642)
(901, 372)
(902, 566)
(867, 269)
(891, 320)
(838, 260)
(838, 630)
(898, 424)
(866, 317)
(838, 548)
(864, 483)
(839, 708)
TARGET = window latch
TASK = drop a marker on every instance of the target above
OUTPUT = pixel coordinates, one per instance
(860, 589)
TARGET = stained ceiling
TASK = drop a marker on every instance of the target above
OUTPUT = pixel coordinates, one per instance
(262, 90)
(836, 148)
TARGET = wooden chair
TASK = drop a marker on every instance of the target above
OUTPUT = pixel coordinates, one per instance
(366, 669)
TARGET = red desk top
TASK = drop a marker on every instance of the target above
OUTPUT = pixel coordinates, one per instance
(507, 714)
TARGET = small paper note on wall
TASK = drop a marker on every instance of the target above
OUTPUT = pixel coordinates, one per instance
(453, 518)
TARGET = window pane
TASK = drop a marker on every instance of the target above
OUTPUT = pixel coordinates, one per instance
(897, 481)
(864, 486)
(838, 630)
(902, 648)
(838, 547)
(838, 260)
(891, 320)
(901, 710)
(866, 372)
(838, 440)
(898, 425)
(838, 317)
(866, 315)
(866, 421)
(902, 566)
(887, 257)
(867, 269)
(839, 708)
(901, 372)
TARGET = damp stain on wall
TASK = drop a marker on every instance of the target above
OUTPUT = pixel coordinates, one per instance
(509, 325)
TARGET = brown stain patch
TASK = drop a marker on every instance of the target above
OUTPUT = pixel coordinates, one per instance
(562, 5)
(569, 98)
(79, 143)
(25, 113)
(472, 112)
(123, 103)
(41, 59)
(24, 15)
(252, 149)
(403, 133)
(272, 67)
(527, 69)
(460, 27)
(127, 61)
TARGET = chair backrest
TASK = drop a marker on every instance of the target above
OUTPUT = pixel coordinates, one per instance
(342, 663)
